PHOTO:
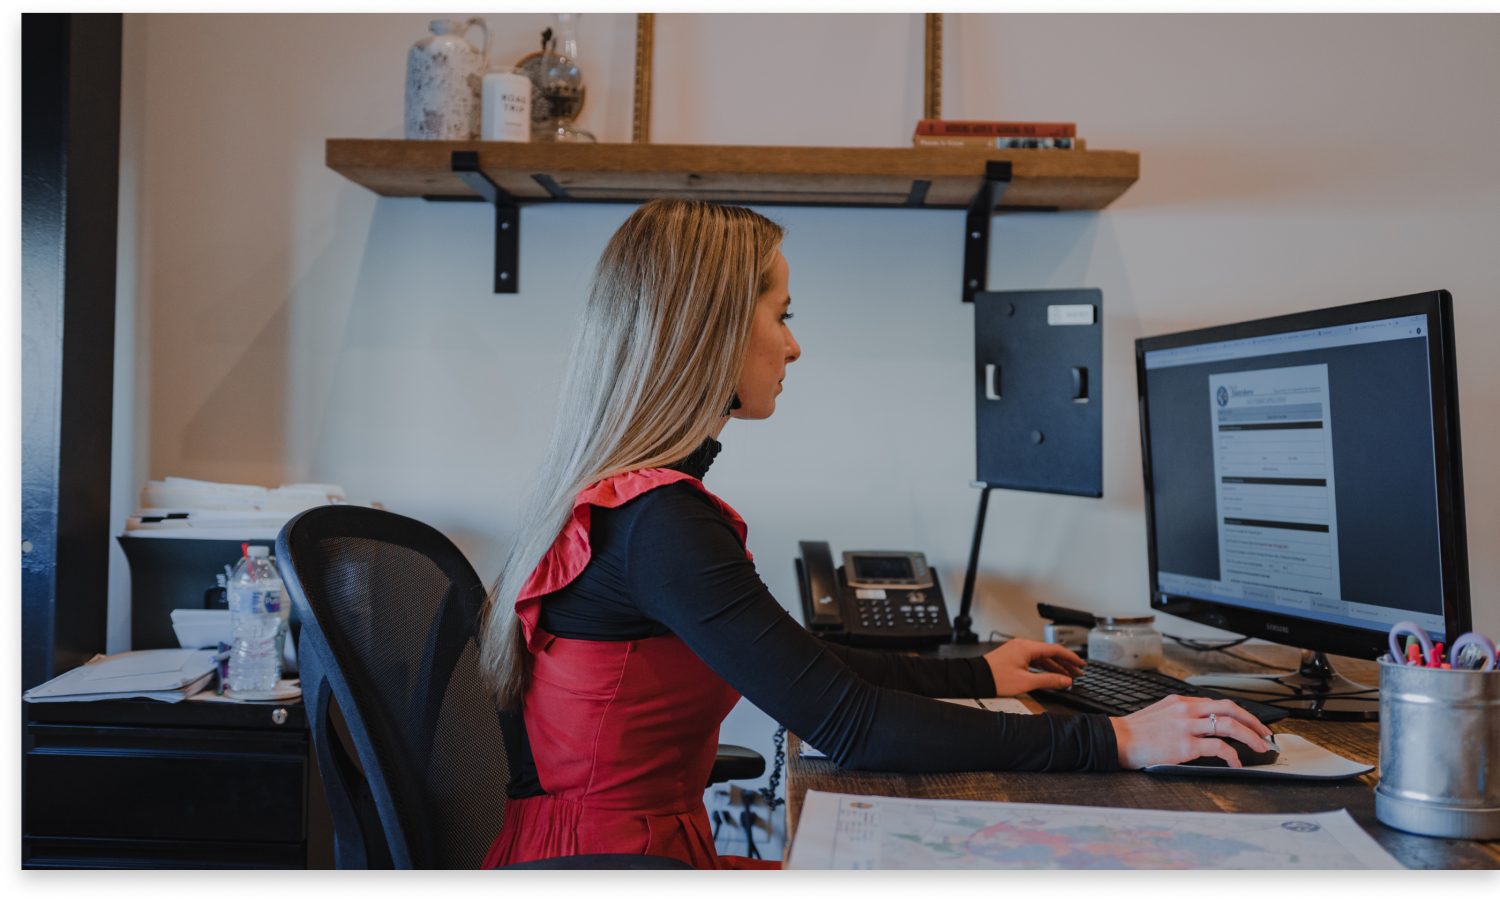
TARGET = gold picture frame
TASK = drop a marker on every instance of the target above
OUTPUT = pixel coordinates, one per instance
(932, 79)
(645, 42)
(645, 45)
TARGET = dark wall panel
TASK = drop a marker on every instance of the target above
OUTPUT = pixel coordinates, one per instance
(70, 159)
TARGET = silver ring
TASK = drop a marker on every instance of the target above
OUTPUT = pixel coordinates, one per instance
(1213, 724)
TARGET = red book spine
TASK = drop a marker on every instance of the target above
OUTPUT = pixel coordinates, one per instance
(962, 128)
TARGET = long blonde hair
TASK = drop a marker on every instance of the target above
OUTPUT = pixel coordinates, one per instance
(652, 370)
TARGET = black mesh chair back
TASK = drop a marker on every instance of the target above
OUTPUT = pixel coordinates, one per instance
(389, 609)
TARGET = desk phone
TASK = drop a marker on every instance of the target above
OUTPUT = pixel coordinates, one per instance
(877, 598)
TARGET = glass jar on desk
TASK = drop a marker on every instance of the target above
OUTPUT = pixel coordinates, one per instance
(1127, 641)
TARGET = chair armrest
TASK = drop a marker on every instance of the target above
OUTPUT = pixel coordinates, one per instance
(735, 763)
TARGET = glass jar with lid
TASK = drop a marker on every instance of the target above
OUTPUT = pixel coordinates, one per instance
(1127, 641)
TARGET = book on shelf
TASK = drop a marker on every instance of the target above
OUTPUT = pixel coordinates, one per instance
(976, 128)
(1000, 143)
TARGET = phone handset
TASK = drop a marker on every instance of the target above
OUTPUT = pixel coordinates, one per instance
(820, 587)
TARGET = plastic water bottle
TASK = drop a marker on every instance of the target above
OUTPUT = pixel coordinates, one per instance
(258, 611)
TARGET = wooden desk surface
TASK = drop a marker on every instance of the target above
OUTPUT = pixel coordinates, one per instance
(1355, 740)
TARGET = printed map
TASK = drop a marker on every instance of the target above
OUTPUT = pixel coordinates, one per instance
(842, 831)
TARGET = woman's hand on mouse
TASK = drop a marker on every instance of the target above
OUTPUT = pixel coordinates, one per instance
(1176, 729)
(1011, 662)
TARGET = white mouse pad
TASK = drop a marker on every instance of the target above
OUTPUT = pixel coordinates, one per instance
(1300, 758)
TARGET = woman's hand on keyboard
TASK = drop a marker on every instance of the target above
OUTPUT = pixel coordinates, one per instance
(1009, 663)
(1176, 729)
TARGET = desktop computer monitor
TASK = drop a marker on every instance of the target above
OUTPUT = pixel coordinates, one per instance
(1303, 485)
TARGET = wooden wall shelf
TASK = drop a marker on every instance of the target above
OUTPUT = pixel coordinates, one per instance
(840, 176)
(510, 175)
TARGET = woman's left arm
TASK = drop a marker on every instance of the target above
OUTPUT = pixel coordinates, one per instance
(925, 675)
(1003, 672)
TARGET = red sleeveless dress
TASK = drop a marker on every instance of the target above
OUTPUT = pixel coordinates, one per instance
(624, 733)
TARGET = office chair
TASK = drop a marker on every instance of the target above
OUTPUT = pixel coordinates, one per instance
(388, 610)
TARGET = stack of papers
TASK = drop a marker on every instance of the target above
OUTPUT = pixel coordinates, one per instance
(188, 508)
(170, 675)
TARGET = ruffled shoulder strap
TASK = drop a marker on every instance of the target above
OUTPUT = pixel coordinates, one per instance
(570, 553)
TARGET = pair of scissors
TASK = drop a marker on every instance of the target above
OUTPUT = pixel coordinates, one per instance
(1472, 647)
(1412, 628)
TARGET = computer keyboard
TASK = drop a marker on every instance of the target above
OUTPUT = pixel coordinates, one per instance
(1117, 691)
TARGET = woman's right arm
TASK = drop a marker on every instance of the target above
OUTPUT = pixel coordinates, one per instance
(687, 569)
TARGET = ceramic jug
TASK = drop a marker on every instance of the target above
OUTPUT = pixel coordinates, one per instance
(444, 78)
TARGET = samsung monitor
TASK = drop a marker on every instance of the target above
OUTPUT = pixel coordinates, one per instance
(1303, 485)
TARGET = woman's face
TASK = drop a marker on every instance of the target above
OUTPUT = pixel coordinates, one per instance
(771, 347)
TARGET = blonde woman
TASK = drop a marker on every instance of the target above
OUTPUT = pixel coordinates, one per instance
(629, 619)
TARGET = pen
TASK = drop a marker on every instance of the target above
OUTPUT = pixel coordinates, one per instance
(221, 663)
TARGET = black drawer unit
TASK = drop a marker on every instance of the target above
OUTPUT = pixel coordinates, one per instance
(144, 784)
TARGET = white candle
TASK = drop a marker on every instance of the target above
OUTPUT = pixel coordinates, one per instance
(506, 106)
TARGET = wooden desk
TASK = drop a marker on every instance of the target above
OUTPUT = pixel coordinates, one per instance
(1356, 740)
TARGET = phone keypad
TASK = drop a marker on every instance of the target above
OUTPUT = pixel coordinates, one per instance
(902, 612)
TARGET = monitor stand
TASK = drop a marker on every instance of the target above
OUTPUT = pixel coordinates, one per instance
(1315, 691)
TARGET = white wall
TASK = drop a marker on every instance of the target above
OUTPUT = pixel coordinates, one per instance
(292, 326)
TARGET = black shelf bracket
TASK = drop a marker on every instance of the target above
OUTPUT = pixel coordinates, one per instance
(977, 226)
(465, 165)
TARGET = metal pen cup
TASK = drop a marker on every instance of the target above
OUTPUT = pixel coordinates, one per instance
(1439, 751)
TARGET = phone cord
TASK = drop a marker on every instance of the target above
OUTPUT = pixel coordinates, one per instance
(775, 780)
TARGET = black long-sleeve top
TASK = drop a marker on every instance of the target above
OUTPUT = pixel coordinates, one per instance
(668, 562)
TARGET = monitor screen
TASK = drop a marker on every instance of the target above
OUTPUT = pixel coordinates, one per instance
(1302, 475)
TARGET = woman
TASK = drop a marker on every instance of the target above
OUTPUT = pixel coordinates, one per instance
(629, 618)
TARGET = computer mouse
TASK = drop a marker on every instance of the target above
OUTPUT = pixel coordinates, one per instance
(1247, 756)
